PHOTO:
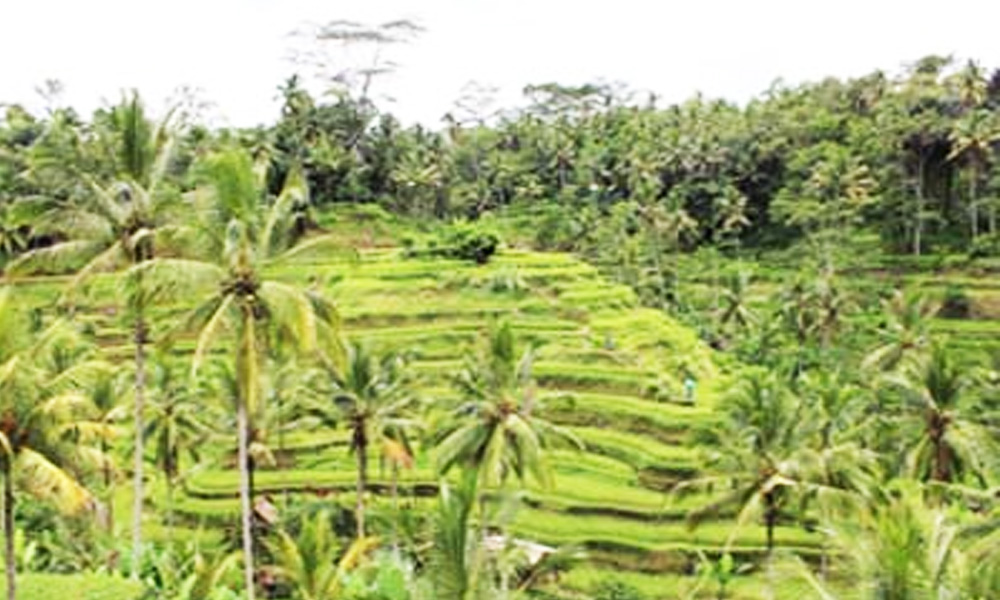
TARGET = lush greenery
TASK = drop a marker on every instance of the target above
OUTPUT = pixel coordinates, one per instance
(594, 348)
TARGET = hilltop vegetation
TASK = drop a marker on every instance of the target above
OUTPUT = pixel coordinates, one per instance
(595, 348)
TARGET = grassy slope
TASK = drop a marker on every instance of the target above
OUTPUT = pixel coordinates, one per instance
(608, 369)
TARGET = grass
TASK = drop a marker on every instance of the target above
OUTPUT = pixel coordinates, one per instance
(626, 413)
(595, 530)
(45, 586)
(596, 378)
(668, 586)
(639, 451)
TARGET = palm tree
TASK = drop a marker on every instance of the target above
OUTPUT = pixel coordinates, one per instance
(496, 431)
(765, 459)
(37, 407)
(832, 304)
(938, 417)
(759, 465)
(972, 139)
(122, 225)
(898, 548)
(103, 414)
(454, 566)
(970, 85)
(735, 309)
(311, 559)
(905, 332)
(373, 396)
(175, 428)
(836, 406)
(247, 232)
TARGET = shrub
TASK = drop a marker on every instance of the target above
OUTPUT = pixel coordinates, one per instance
(464, 241)
(507, 281)
(468, 242)
(985, 246)
(956, 304)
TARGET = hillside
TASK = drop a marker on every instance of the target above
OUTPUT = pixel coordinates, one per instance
(608, 369)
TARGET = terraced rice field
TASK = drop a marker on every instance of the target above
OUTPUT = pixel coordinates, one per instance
(865, 279)
(607, 369)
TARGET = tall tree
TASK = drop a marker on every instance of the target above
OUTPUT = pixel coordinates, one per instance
(972, 140)
(496, 431)
(373, 397)
(175, 428)
(38, 405)
(247, 231)
(765, 461)
(938, 419)
(905, 331)
(122, 224)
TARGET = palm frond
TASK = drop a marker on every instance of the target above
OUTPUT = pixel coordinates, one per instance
(294, 193)
(168, 280)
(55, 259)
(291, 311)
(213, 314)
(45, 480)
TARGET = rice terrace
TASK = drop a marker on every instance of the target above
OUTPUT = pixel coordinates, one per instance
(588, 343)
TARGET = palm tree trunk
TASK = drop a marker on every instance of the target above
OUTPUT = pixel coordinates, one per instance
(108, 489)
(246, 514)
(394, 493)
(359, 513)
(770, 517)
(918, 226)
(139, 456)
(942, 460)
(8, 530)
(281, 454)
(973, 207)
(170, 508)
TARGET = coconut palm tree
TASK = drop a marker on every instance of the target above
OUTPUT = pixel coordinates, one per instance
(312, 560)
(247, 232)
(938, 419)
(970, 85)
(38, 403)
(455, 566)
(735, 308)
(766, 460)
(972, 139)
(373, 396)
(124, 223)
(103, 414)
(496, 431)
(175, 428)
(905, 332)
(899, 548)
(759, 466)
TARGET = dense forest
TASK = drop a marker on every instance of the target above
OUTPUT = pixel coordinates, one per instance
(703, 350)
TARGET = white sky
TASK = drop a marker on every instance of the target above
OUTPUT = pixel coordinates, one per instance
(236, 50)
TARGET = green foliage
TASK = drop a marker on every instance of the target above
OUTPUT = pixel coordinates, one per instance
(466, 241)
(616, 590)
(985, 246)
(845, 168)
(956, 303)
(462, 240)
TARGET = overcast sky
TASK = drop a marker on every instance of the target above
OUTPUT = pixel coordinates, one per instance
(236, 51)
